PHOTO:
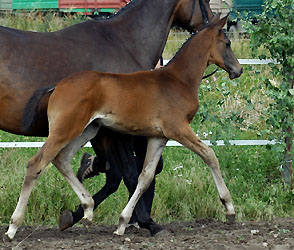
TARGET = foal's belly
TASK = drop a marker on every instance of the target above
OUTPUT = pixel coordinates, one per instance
(133, 127)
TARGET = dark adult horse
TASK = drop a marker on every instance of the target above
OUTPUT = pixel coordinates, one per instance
(131, 40)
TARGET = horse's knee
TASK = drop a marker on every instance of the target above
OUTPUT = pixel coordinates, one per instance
(35, 160)
(210, 158)
(33, 169)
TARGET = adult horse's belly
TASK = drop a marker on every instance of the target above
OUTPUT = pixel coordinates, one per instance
(31, 65)
(29, 61)
(12, 103)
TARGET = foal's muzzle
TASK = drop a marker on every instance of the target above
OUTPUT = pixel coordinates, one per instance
(235, 73)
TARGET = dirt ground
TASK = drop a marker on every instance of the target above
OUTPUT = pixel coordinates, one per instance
(200, 234)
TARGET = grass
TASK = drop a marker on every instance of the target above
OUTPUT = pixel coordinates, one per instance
(185, 189)
(37, 21)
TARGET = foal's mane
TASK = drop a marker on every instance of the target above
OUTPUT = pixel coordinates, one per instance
(189, 39)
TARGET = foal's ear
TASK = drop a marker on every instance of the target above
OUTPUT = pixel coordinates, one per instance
(215, 19)
(222, 22)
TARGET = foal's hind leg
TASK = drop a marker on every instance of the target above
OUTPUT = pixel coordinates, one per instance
(130, 176)
(35, 167)
(154, 150)
(186, 136)
(63, 164)
(105, 147)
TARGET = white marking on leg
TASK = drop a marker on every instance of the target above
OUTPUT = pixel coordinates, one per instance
(188, 138)
(34, 170)
(11, 230)
(154, 150)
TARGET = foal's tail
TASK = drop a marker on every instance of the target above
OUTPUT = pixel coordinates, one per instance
(30, 115)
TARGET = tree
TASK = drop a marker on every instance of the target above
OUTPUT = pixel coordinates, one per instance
(273, 38)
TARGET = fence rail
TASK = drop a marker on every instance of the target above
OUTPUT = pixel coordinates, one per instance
(170, 143)
(246, 61)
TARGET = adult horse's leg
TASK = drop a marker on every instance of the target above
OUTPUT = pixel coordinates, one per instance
(186, 136)
(154, 150)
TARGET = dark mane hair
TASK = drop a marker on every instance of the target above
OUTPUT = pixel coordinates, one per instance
(121, 11)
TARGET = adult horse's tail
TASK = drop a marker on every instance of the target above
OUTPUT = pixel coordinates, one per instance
(30, 115)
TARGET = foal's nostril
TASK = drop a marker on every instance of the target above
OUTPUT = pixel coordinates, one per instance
(241, 71)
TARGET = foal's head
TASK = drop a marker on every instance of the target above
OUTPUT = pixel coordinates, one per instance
(192, 14)
(221, 53)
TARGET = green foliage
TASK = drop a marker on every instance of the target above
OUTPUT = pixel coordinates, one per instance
(275, 35)
(274, 31)
(38, 21)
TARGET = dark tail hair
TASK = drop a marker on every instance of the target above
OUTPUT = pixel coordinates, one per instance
(30, 115)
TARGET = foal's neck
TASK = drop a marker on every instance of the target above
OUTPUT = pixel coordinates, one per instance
(191, 61)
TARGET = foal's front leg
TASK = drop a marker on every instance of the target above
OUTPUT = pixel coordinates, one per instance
(186, 136)
(154, 150)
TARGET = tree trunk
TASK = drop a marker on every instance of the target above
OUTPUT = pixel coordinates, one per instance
(287, 167)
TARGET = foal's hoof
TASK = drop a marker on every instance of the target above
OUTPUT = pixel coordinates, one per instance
(86, 222)
(5, 238)
(118, 233)
(65, 220)
(230, 218)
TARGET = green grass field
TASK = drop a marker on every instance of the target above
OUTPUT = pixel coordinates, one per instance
(185, 189)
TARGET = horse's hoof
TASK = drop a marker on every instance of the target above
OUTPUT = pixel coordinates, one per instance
(65, 220)
(163, 233)
(156, 229)
(5, 238)
(230, 219)
(118, 233)
(86, 222)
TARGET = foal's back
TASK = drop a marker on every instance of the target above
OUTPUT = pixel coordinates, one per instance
(136, 103)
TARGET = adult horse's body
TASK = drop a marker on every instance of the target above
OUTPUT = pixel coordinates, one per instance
(130, 41)
(159, 104)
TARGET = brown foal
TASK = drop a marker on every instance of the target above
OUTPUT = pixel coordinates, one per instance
(159, 104)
